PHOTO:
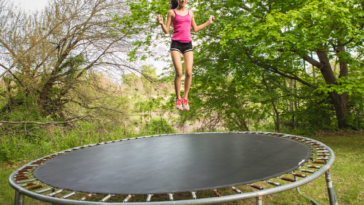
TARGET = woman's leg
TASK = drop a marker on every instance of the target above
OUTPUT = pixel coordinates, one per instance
(176, 58)
(188, 57)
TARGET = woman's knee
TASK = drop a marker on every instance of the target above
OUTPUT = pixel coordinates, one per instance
(178, 74)
(188, 74)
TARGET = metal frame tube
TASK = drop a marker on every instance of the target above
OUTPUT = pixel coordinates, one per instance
(16, 197)
(212, 200)
(259, 200)
(330, 188)
(19, 198)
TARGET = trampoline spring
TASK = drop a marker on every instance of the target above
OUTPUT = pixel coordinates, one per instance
(170, 197)
(68, 195)
(24, 181)
(301, 162)
(319, 162)
(288, 179)
(323, 151)
(280, 135)
(236, 190)
(56, 192)
(299, 175)
(312, 166)
(28, 184)
(308, 171)
(193, 195)
(323, 155)
(106, 198)
(256, 186)
(127, 198)
(86, 197)
(149, 198)
(216, 192)
(35, 187)
(21, 178)
(68, 150)
(274, 183)
(43, 190)
(323, 158)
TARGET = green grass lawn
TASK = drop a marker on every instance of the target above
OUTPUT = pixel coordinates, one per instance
(347, 173)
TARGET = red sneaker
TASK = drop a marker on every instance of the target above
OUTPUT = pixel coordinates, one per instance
(185, 104)
(178, 104)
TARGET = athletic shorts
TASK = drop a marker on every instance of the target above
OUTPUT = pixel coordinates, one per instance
(181, 47)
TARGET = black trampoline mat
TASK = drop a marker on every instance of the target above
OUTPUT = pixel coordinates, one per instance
(171, 164)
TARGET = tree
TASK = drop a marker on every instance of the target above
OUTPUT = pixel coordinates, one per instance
(272, 34)
(47, 55)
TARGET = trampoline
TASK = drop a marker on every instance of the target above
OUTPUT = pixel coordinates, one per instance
(121, 170)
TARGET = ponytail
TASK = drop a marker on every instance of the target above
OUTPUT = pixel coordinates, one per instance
(174, 4)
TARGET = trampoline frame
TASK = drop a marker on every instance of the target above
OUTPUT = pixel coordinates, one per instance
(20, 191)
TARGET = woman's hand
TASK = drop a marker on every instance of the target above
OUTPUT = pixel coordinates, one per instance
(160, 19)
(212, 19)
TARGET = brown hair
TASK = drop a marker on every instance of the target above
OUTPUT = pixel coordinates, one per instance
(174, 4)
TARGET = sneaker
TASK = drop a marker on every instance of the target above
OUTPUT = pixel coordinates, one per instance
(185, 104)
(178, 104)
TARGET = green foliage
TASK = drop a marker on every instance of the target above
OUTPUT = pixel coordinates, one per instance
(20, 147)
(157, 126)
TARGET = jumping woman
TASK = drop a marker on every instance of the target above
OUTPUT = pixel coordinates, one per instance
(182, 20)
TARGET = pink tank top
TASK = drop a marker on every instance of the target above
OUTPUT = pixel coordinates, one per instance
(182, 28)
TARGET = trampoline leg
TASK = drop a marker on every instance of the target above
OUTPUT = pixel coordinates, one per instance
(19, 198)
(260, 200)
(330, 188)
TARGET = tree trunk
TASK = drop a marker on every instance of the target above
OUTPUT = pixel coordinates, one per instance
(340, 101)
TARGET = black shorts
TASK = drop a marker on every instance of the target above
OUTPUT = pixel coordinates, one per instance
(181, 47)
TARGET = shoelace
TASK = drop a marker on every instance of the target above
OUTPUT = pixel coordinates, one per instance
(179, 102)
(185, 101)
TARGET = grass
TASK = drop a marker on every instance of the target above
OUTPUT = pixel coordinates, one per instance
(347, 172)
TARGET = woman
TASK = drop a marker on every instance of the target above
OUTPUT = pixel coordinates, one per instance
(182, 20)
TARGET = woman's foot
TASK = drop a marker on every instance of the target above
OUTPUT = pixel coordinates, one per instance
(178, 104)
(185, 104)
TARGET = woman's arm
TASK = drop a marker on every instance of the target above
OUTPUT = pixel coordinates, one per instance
(165, 28)
(202, 26)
